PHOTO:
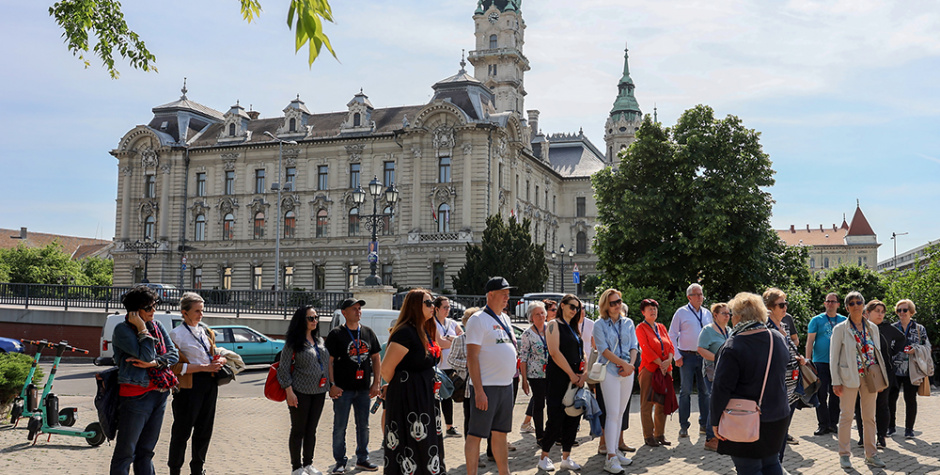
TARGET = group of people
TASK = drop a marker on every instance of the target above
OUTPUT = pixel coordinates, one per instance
(747, 348)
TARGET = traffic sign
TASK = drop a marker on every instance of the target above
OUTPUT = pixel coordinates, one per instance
(576, 275)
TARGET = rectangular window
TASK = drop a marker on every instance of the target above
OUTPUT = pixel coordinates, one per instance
(259, 181)
(322, 221)
(354, 175)
(536, 195)
(288, 277)
(553, 205)
(150, 186)
(319, 277)
(197, 277)
(201, 184)
(200, 231)
(437, 277)
(443, 170)
(389, 173)
(352, 276)
(499, 175)
(227, 278)
(259, 225)
(546, 198)
(580, 207)
(256, 282)
(386, 274)
(289, 178)
(230, 182)
(323, 177)
(527, 188)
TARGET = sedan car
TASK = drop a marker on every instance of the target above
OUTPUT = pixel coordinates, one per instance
(253, 346)
(9, 345)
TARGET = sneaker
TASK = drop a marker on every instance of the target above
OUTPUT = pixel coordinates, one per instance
(612, 465)
(791, 440)
(527, 427)
(845, 462)
(891, 431)
(568, 464)
(624, 461)
(874, 462)
(546, 465)
(908, 433)
(712, 444)
(367, 466)
(881, 443)
(339, 468)
(453, 431)
(683, 433)
(299, 471)
(311, 470)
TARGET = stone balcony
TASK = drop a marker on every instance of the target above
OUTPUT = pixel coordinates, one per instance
(449, 237)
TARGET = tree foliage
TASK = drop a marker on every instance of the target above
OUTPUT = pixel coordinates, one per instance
(921, 285)
(688, 204)
(506, 249)
(104, 19)
(52, 265)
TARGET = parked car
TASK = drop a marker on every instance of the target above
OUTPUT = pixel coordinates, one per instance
(9, 345)
(106, 350)
(523, 303)
(253, 346)
(167, 293)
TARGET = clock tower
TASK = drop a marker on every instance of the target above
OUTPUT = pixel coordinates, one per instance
(498, 61)
(625, 117)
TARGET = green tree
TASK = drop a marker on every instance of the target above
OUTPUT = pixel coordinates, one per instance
(921, 285)
(505, 249)
(846, 278)
(80, 19)
(688, 204)
(52, 265)
(97, 271)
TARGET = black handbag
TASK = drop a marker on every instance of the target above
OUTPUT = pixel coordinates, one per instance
(224, 375)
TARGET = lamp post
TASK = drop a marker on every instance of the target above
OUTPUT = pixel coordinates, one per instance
(359, 197)
(894, 237)
(276, 186)
(146, 248)
(561, 252)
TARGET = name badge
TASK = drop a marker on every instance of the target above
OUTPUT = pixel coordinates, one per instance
(796, 374)
(581, 366)
(322, 382)
(360, 374)
(544, 368)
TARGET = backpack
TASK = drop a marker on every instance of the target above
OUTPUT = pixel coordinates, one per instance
(106, 401)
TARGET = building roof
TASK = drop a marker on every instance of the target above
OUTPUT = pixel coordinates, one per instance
(502, 5)
(860, 226)
(821, 236)
(574, 156)
(77, 247)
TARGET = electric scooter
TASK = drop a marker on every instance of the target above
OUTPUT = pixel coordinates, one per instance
(28, 402)
(49, 409)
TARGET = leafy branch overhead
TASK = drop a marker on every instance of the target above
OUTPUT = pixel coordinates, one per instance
(103, 19)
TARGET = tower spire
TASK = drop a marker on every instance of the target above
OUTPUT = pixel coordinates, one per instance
(626, 103)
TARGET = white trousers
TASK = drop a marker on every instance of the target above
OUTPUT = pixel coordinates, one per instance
(617, 391)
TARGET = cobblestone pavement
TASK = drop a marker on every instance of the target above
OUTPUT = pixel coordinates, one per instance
(251, 437)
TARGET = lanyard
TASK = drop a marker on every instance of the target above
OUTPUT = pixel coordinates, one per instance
(442, 327)
(907, 331)
(662, 348)
(864, 331)
(721, 331)
(506, 329)
(619, 331)
(541, 335)
(319, 358)
(831, 325)
(356, 342)
(698, 316)
(578, 338)
(201, 343)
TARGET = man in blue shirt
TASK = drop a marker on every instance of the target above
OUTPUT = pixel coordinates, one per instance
(687, 324)
(819, 334)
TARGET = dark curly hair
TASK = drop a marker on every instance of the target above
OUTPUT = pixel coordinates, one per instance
(138, 298)
(296, 336)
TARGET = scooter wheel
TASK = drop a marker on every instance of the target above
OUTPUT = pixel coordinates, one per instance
(67, 417)
(98, 438)
(17, 410)
(33, 427)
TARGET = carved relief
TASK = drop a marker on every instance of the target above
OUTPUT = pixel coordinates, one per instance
(165, 168)
(227, 205)
(443, 138)
(502, 197)
(467, 148)
(416, 152)
(318, 203)
(258, 204)
(290, 156)
(148, 158)
(147, 208)
(199, 207)
(127, 170)
(228, 160)
(288, 203)
(501, 147)
(355, 152)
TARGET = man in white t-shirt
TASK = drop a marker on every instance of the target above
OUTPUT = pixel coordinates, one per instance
(491, 361)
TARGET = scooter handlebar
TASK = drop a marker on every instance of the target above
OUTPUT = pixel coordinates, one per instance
(37, 342)
(64, 345)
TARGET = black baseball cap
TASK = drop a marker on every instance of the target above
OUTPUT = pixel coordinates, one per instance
(350, 302)
(497, 283)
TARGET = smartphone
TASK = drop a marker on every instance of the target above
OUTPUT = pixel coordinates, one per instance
(377, 405)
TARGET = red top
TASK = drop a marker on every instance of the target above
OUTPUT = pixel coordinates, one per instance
(649, 345)
(133, 390)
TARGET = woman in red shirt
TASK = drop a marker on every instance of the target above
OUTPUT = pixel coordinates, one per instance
(657, 353)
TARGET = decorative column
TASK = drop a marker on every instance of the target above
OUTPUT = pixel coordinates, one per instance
(164, 202)
(126, 173)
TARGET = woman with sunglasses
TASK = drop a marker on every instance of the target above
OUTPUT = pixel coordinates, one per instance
(565, 366)
(916, 336)
(304, 375)
(615, 339)
(414, 441)
(709, 341)
(656, 354)
(447, 331)
(776, 301)
(855, 348)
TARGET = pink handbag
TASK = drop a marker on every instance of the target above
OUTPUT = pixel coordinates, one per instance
(740, 421)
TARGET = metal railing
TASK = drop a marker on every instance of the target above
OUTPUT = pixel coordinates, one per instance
(237, 302)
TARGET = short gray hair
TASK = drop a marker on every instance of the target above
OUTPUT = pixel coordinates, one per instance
(532, 306)
(692, 287)
(189, 299)
(851, 295)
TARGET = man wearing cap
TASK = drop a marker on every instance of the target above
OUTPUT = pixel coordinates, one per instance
(355, 367)
(491, 361)
(687, 324)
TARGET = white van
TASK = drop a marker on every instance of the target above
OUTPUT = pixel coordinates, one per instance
(377, 319)
(106, 355)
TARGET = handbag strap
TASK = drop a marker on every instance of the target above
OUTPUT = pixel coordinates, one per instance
(770, 354)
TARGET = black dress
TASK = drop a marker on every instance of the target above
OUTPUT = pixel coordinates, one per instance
(414, 442)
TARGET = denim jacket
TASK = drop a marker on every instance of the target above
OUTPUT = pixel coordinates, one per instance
(128, 344)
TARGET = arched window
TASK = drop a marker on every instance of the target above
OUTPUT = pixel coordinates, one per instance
(292, 125)
(357, 119)
(228, 227)
(259, 225)
(322, 223)
(826, 263)
(290, 224)
(231, 130)
(353, 222)
(387, 220)
(200, 234)
(493, 42)
(443, 218)
(812, 262)
(581, 243)
(148, 227)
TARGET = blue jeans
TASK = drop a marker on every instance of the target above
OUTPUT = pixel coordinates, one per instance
(139, 421)
(709, 432)
(692, 368)
(766, 466)
(827, 412)
(359, 401)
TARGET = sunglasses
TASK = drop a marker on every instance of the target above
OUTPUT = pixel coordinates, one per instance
(854, 303)
(428, 303)
(573, 307)
(614, 303)
(903, 310)
(150, 307)
(550, 309)
(312, 318)
(725, 313)
(832, 301)
(781, 305)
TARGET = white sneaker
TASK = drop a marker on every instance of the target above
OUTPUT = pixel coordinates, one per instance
(546, 465)
(311, 470)
(568, 464)
(299, 471)
(624, 461)
(527, 428)
(612, 465)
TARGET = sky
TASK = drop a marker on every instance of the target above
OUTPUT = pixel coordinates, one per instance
(844, 92)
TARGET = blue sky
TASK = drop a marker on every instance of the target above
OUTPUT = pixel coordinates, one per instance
(844, 92)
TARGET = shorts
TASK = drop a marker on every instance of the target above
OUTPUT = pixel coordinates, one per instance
(497, 417)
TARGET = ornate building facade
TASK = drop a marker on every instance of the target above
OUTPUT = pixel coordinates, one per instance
(197, 183)
(848, 243)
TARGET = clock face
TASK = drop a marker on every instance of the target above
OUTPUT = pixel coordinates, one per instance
(494, 17)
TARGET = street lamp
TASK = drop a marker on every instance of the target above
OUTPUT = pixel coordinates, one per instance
(276, 186)
(561, 252)
(146, 248)
(359, 197)
(894, 237)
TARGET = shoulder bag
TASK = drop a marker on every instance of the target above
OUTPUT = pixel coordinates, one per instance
(740, 421)
(874, 380)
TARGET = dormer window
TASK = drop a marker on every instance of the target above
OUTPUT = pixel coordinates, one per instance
(292, 126)
(357, 119)
(231, 130)
(492, 41)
